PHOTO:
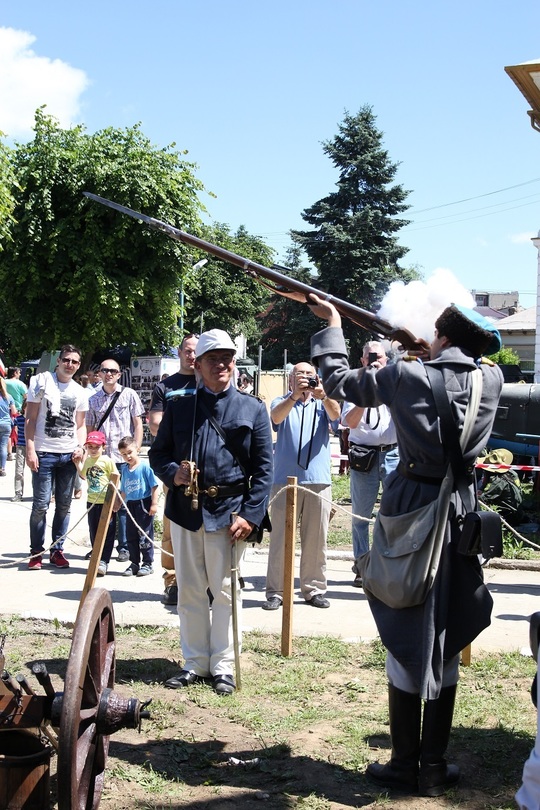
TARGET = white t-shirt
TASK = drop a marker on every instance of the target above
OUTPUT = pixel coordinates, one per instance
(56, 428)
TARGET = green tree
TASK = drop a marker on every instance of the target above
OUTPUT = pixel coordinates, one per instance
(287, 324)
(223, 294)
(353, 243)
(7, 185)
(84, 273)
(505, 356)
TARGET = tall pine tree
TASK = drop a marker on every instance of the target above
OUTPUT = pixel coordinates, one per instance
(353, 244)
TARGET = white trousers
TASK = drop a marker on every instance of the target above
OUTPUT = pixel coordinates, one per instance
(203, 560)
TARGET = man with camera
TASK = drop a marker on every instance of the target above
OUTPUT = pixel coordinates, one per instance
(373, 455)
(302, 419)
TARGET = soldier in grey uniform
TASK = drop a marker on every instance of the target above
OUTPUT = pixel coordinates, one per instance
(423, 642)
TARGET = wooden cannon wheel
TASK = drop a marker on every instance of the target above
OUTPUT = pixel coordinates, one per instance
(82, 749)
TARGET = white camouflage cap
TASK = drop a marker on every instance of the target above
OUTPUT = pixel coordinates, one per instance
(212, 340)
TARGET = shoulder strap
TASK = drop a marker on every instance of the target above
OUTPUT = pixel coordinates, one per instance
(219, 430)
(452, 442)
(112, 403)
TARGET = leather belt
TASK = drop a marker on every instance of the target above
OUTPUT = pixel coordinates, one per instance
(382, 448)
(422, 479)
(224, 490)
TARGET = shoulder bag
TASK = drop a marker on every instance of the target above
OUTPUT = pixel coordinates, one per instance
(400, 568)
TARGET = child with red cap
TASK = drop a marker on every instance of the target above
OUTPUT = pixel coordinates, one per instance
(96, 471)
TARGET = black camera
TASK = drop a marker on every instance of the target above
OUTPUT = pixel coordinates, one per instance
(372, 358)
(313, 382)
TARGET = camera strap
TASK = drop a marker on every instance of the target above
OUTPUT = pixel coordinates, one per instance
(310, 445)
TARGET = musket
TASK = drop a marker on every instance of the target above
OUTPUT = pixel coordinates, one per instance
(281, 284)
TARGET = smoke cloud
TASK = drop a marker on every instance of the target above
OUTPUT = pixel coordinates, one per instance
(417, 305)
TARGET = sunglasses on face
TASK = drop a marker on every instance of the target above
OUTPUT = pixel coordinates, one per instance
(70, 360)
(109, 371)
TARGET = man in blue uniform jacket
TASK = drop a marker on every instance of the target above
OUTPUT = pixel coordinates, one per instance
(218, 442)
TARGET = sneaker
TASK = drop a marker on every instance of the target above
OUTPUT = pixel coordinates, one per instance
(35, 563)
(16, 497)
(144, 570)
(102, 569)
(130, 571)
(170, 595)
(9, 457)
(58, 559)
(2, 472)
(123, 555)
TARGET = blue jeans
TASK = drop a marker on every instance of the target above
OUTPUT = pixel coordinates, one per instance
(138, 545)
(364, 491)
(5, 431)
(60, 469)
(121, 516)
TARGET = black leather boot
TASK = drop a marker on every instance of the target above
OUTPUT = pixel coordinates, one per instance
(401, 773)
(436, 775)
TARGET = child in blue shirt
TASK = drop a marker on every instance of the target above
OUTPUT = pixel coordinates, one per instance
(139, 489)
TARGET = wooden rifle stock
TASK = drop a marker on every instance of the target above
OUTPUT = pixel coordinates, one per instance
(281, 284)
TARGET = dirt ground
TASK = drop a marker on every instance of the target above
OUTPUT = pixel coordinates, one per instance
(201, 751)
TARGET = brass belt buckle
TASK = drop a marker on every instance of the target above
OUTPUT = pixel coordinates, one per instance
(212, 491)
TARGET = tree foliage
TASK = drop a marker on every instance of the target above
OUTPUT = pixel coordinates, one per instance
(287, 324)
(223, 294)
(353, 242)
(506, 356)
(8, 184)
(83, 273)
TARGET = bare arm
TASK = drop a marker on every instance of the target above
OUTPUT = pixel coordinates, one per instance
(79, 453)
(32, 411)
(352, 418)
(138, 431)
(154, 421)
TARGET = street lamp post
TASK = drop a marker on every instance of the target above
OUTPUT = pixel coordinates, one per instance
(195, 267)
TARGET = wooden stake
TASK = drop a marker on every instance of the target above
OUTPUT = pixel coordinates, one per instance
(99, 540)
(288, 566)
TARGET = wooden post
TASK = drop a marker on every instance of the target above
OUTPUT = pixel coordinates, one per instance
(99, 540)
(288, 566)
(466, 656)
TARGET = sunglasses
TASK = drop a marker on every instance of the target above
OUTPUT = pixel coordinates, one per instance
(70, 361)
(109, 371)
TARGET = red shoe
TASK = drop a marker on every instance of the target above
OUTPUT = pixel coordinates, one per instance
(35, 564)
(58, 559)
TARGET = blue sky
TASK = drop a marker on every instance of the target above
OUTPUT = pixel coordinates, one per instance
(251, 89)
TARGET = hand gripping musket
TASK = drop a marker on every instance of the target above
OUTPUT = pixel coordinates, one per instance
(281, 285)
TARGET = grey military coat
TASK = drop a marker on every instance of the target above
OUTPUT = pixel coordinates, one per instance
(459, 605)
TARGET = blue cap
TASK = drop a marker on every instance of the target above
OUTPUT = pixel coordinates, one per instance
(483, 323)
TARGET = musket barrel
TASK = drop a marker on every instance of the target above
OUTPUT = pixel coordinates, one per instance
(361, 317)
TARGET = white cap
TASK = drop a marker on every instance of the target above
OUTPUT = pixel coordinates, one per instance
(212, 340)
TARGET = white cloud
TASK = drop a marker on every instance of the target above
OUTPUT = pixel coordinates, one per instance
(522, 238)
(27, 81)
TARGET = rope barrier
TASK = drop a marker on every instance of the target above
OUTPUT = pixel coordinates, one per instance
(336, 506)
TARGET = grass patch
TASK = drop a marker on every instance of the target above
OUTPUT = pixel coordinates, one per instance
(309, 723)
